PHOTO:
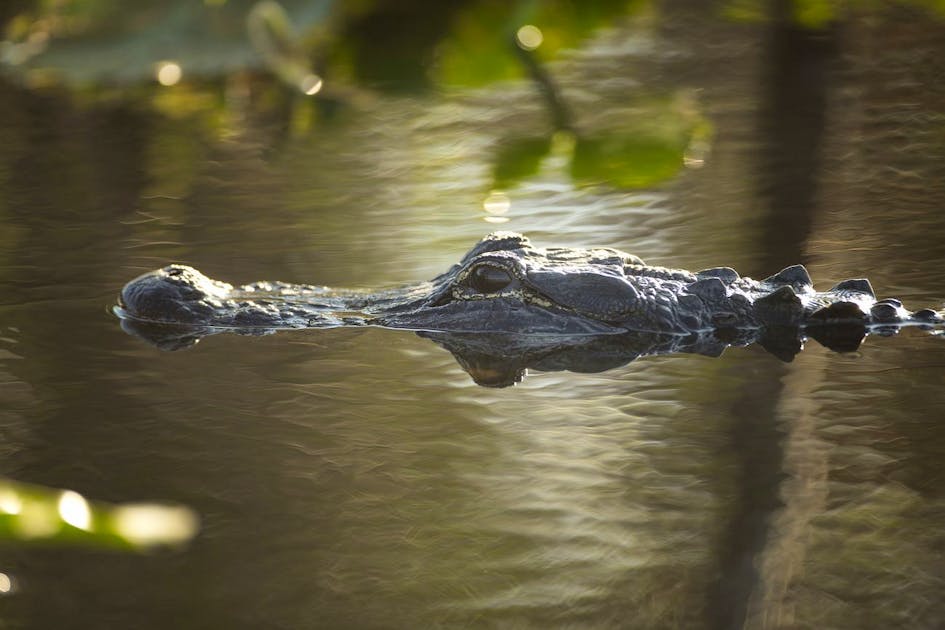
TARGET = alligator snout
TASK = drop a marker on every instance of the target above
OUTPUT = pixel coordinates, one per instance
(173, 294)
(602, 296)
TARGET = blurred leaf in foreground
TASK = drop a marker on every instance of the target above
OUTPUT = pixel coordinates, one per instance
(30, 513)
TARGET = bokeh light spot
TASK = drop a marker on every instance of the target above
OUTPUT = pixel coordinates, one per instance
(148, 524)
(10, 503)
(311, 84)
(74, 510)
(168, 73)
(6, 584)
(529, 37)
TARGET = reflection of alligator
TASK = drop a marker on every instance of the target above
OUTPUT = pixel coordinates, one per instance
(505, 285)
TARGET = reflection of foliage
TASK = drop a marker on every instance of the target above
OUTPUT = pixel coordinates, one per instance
(519, 158)
(30, 513)
(478, 47)
(643, 152)
(406, 44)
(814, 14)
(112, 42)
(626, 160)
(392, 43)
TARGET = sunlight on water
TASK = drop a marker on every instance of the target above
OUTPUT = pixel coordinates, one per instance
(496, 204)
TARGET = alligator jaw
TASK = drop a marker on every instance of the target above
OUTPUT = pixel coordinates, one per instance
(182, 296)
(491, 315)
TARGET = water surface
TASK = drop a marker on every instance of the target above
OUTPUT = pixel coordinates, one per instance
(360, 479)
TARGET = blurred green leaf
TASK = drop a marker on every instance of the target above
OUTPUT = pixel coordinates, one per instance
(31, 513)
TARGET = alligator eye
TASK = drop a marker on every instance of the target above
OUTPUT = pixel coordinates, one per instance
(488, 279)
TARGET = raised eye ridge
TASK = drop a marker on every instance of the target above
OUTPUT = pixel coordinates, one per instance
(485, 278)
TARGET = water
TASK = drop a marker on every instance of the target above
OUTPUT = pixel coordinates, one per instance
(360, 479)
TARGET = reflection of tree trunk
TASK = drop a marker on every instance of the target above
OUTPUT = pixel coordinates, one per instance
(561, 117)
(756, 444)
(792, 130)
(803, 495)
(790, 137)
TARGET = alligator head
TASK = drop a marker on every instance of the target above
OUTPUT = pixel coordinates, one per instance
(504, 284)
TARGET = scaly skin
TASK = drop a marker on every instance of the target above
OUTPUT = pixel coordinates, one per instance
(506, 285)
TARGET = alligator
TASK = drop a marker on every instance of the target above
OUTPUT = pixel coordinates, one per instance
(505, 285)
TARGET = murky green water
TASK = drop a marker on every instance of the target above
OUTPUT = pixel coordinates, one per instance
(360, 479)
